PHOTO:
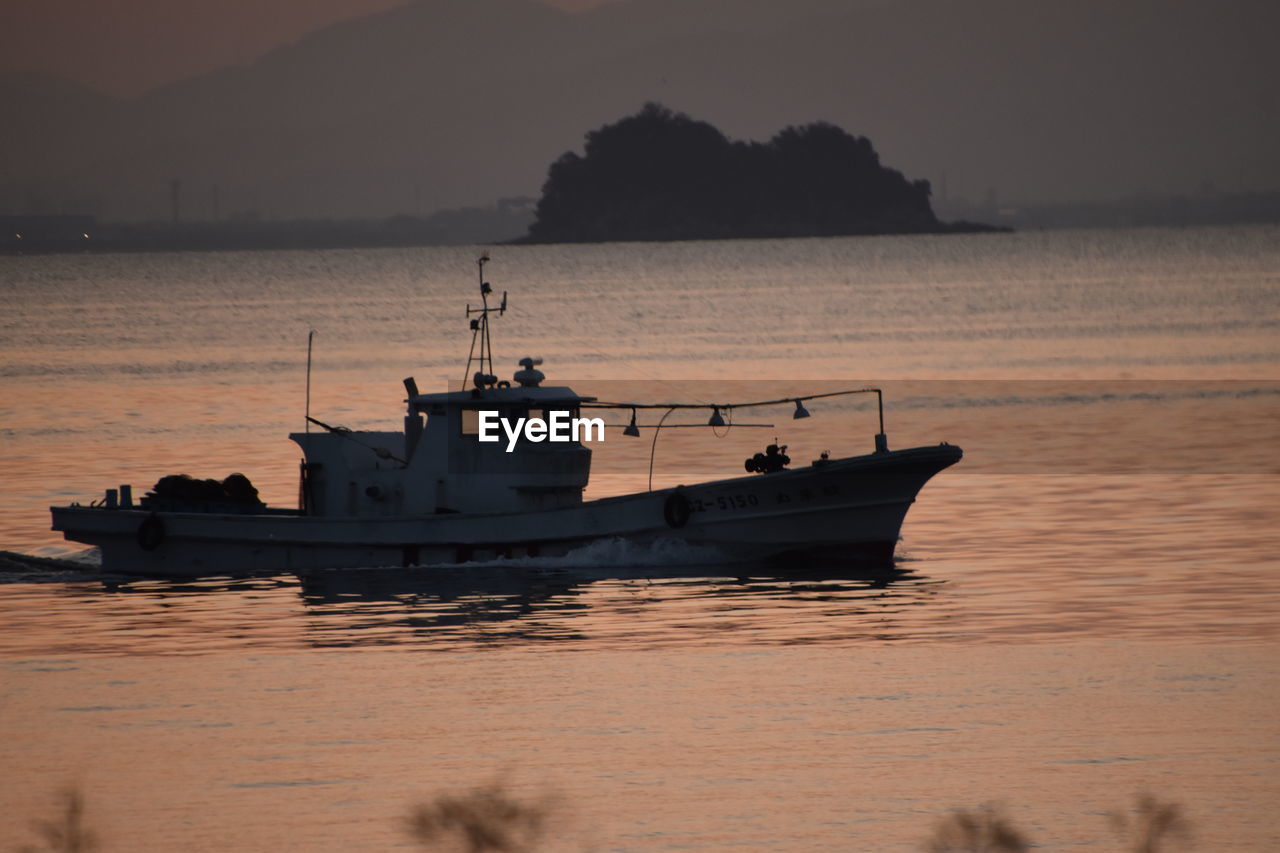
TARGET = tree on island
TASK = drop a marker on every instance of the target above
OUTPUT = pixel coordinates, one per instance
(660, 175)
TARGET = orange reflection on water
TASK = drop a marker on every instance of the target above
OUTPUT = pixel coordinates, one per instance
(785, 747)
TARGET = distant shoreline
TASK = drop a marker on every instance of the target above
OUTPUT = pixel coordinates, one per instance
(284, 236)
(62, 234)
(942, 229)
(65, 234)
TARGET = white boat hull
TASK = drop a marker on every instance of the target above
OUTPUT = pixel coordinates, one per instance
(849, 509)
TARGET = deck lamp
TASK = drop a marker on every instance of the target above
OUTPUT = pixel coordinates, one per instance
(632, 430)
(716, 419)
(800, 412)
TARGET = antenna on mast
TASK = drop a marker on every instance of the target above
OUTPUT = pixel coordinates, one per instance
(307, 424)
(484, 376)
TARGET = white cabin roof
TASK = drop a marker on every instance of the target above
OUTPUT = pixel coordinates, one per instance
(478, 398)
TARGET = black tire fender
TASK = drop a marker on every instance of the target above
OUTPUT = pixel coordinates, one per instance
(151, 532)
(676, 509)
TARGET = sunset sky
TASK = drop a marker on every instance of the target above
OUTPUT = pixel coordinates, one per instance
(126, 47)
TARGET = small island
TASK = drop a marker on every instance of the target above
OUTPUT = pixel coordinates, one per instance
(661, 175)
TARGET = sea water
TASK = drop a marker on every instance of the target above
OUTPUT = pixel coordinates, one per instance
(1084, 609)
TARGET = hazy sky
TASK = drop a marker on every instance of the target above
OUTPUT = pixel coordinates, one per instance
(124, 47)
(1015, 101)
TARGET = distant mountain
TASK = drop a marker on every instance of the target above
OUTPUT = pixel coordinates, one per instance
(454, 103)
(48, 120)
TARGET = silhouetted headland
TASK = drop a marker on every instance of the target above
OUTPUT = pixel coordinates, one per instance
(661, 175)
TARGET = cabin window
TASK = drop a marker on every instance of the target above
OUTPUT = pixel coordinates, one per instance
(470, 422)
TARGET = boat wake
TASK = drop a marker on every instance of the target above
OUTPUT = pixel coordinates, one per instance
(29, 568)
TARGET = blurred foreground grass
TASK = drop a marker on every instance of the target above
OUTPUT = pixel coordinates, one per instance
(489, 819)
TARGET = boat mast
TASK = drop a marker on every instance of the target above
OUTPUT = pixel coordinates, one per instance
(484, 376)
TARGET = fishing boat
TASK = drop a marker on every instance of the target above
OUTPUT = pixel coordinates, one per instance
(498, 470)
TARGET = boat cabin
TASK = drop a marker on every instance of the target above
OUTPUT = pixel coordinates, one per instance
(438, 464)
